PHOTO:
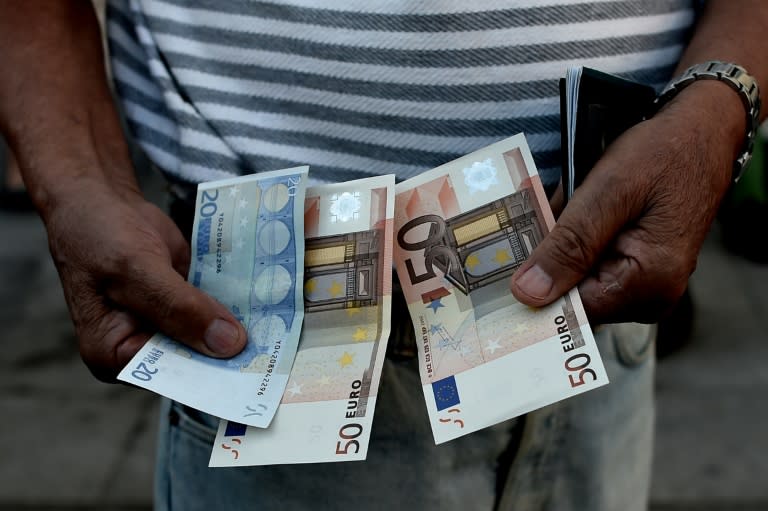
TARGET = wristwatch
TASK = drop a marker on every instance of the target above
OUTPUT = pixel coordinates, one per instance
(740, 81)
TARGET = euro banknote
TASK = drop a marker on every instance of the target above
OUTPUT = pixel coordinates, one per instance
(461, 231)
(327, 409)
(248, 253)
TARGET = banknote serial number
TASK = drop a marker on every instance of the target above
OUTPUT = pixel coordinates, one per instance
(270, 368)
(219, 241)
(144, 370)
(349, 432)
(577, 364)
(427, 347)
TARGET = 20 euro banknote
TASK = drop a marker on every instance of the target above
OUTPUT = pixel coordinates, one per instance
(327, 409)
(461, 230)
(248, 253)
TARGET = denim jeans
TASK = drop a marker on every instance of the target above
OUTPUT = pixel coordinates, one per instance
(588, 453)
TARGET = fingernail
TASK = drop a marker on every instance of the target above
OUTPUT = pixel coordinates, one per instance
(221, 337)
(535, 282)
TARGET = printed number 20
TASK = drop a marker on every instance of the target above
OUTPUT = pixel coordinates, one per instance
(143, 373)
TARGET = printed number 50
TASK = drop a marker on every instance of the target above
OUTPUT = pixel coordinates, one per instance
(572, 366)
(357, 430)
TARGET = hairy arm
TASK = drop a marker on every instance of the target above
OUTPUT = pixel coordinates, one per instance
(631, 234)
(55, 105)
(121, 260)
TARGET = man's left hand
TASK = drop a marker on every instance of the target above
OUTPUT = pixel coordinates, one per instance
(631, 233)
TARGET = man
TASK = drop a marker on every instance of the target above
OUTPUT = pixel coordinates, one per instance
(215, 88)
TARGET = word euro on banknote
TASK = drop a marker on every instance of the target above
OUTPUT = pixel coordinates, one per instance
(327, 410)
(248, 253)
(461, 231)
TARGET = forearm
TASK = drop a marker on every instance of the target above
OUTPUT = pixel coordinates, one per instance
(55, 105)
(729, 31)
(732, 31)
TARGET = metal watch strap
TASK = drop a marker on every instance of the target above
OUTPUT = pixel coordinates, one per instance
(740, 81)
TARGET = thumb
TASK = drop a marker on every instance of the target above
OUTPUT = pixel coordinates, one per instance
(590, 221)
(162, 297)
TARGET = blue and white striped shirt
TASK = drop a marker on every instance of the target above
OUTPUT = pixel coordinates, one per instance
(214, 88)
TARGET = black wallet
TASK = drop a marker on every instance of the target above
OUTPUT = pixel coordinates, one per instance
(595, 108)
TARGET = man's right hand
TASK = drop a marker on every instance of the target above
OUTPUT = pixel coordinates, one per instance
(122, 264)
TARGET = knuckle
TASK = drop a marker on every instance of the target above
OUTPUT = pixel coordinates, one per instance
(165, 302)
(125, 259)
(570, 249)
(129, 268)
(119, 265)
(173, 308)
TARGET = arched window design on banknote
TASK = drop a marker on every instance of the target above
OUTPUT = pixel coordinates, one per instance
(341, 272)
(480, 246)
(343, 292)
(493, 240)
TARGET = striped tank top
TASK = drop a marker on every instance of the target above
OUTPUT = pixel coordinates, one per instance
(215, 88)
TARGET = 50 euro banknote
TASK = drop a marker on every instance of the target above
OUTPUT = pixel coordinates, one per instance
(327, 410)
(461, 231)
(248, 253)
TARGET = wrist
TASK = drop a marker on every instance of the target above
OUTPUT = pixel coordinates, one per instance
(741, 82)
(64, 159)
(72, 181)
(711, 113)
